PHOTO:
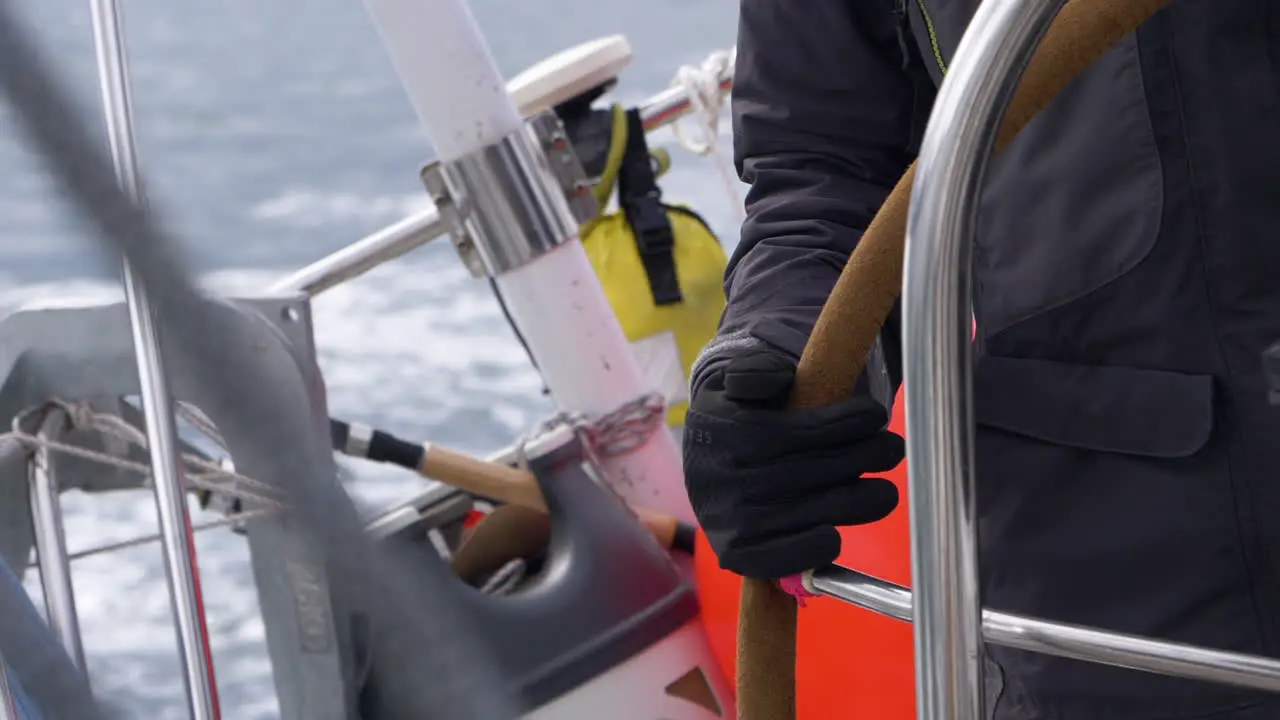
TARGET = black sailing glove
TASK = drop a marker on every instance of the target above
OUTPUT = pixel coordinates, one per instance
(769, 485)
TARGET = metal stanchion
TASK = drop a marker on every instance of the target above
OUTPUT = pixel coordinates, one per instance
(157, 401)
(51, 542)
(936, 330)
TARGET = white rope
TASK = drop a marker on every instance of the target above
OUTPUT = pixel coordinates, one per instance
(202, 473)
(205, 474)
(615, 433)
(706, 98)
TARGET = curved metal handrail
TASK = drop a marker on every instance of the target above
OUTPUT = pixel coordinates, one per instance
(937, 337)
(937, 323)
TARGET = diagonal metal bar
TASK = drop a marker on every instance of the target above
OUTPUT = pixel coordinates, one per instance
(1061, 639)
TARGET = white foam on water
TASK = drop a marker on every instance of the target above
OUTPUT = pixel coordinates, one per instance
(309, 208)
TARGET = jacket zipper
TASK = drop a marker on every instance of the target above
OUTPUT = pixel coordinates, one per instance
(933, 37)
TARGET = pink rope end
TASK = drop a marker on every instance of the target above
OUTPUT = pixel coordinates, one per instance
(793, 585)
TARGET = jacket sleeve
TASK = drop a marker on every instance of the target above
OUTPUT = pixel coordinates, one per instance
(830, 99)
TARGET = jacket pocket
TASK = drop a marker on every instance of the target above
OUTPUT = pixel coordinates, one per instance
(1075, 201)
(1104, 500)
(1148, 413)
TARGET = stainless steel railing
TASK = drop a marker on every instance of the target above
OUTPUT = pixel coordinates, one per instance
(51, 541)
(157, 399)
(937, 321)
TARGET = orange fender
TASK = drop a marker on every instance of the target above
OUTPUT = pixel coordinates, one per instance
(852, 663)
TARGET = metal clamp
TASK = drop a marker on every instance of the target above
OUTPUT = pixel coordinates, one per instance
(565, 164)
(510, 202)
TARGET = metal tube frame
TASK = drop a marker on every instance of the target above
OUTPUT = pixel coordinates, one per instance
(195, 655)
(51, 541)
(937, 335)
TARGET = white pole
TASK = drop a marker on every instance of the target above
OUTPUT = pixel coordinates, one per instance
(448, 73)
(555, 298)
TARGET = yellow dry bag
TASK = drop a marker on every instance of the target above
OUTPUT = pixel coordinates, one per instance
(661, 266)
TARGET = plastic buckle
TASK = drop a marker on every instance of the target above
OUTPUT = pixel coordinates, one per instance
(652, 227)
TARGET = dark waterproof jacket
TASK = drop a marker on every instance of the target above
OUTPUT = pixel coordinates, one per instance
(1127, 281)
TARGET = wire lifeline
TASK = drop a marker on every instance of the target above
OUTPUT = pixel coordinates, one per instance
(427, 635)
(613, 433)
(204, 477)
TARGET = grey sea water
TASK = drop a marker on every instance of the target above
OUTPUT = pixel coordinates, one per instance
(271, 133)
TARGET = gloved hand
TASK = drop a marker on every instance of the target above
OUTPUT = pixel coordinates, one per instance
(769, 485)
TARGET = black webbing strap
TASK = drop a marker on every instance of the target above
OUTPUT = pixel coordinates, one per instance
(641, 202)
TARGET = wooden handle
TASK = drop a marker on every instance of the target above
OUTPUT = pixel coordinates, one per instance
(857, 307)
(511, 531)
(511, 485)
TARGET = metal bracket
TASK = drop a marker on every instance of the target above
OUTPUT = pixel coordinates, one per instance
(565, 164)
(433, 180)
(452, 187)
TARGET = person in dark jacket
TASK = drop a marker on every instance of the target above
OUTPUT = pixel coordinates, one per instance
(1126, 283)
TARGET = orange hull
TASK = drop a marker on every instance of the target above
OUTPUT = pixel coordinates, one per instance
(852, 663)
